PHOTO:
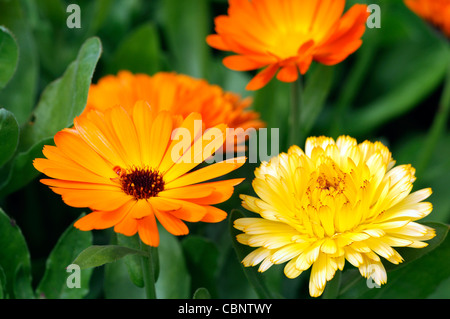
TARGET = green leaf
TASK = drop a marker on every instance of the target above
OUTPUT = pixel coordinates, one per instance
(95, 256)
(18, 96)
(2, 283)
(9, 54)
(133, 262)
(14, 259)
(424, 75)
(202, 293)
(140, 52)
(174, 279)
(315, 93)
(202, 260)
(9, 135)
(252, 274)
(65, 98)
(117, 284)
(21, 171)
(186, 25)
(53, 284)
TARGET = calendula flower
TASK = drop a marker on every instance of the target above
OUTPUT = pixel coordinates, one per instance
(436, 12)
(126, 167)
(336, 201)
(178, 93)
(287, 35)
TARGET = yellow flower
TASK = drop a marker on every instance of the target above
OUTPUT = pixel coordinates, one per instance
(338, 200)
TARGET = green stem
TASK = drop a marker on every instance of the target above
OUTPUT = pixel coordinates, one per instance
(438, 127)
(295, 114)
(148, 271)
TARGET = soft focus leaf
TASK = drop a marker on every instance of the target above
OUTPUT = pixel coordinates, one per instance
(202, 293)
(21, 171)
(252, 274)
(133, 261)
(174, 279)
(315, 93)
(95, 256)
(140, 52)
(202, 261)
(64, 98)
(18, 96)
(117, 283)
(9, 54)
(186, 25)
(9, 135)
(14, 259)
(423, 76)
(54, 282)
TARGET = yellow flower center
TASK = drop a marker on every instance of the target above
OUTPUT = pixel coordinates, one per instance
(141, 183)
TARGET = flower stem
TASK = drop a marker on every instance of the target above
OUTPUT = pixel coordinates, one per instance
(148, 271)
(295, 114)
(438, 126)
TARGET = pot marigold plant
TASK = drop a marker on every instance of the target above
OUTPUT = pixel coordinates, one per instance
(128, 170)
(286, 36)
(334, 202)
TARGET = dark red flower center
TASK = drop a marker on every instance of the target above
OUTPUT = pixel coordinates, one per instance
(141, 183)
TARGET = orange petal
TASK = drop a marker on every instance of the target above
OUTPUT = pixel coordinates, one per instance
(288, 73)
(188, 211)
(140, 209)
(172, 224)
(102, 219)
(128, 226)
(241, 63)
(104, 200)
(207, 173)
(262, 78)
(148, 230)
(213, 215)
(216, 42)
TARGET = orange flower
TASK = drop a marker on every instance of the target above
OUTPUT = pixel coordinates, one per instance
(178, 93)
(125, 166)
(287, 35)
(437, 12)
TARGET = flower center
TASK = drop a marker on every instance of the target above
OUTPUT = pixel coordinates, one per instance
(141, 183)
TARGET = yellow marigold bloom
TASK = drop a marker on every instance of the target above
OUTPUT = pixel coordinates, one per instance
(287, 35)
(127, 168)
(436, 12)
(178, 93)
(335, 201)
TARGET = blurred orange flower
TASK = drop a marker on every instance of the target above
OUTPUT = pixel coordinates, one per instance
(287, 35)
(437, 12)
(178, 93)
(125, 167)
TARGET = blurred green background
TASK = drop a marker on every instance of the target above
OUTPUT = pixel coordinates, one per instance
(389, 90)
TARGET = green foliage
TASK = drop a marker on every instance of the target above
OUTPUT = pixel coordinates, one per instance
(9, 53)
(53, 284)
(388, 90)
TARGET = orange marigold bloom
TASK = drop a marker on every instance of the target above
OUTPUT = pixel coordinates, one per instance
(178, 93)
(287, 35)
(437, 12)
(126, 167)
